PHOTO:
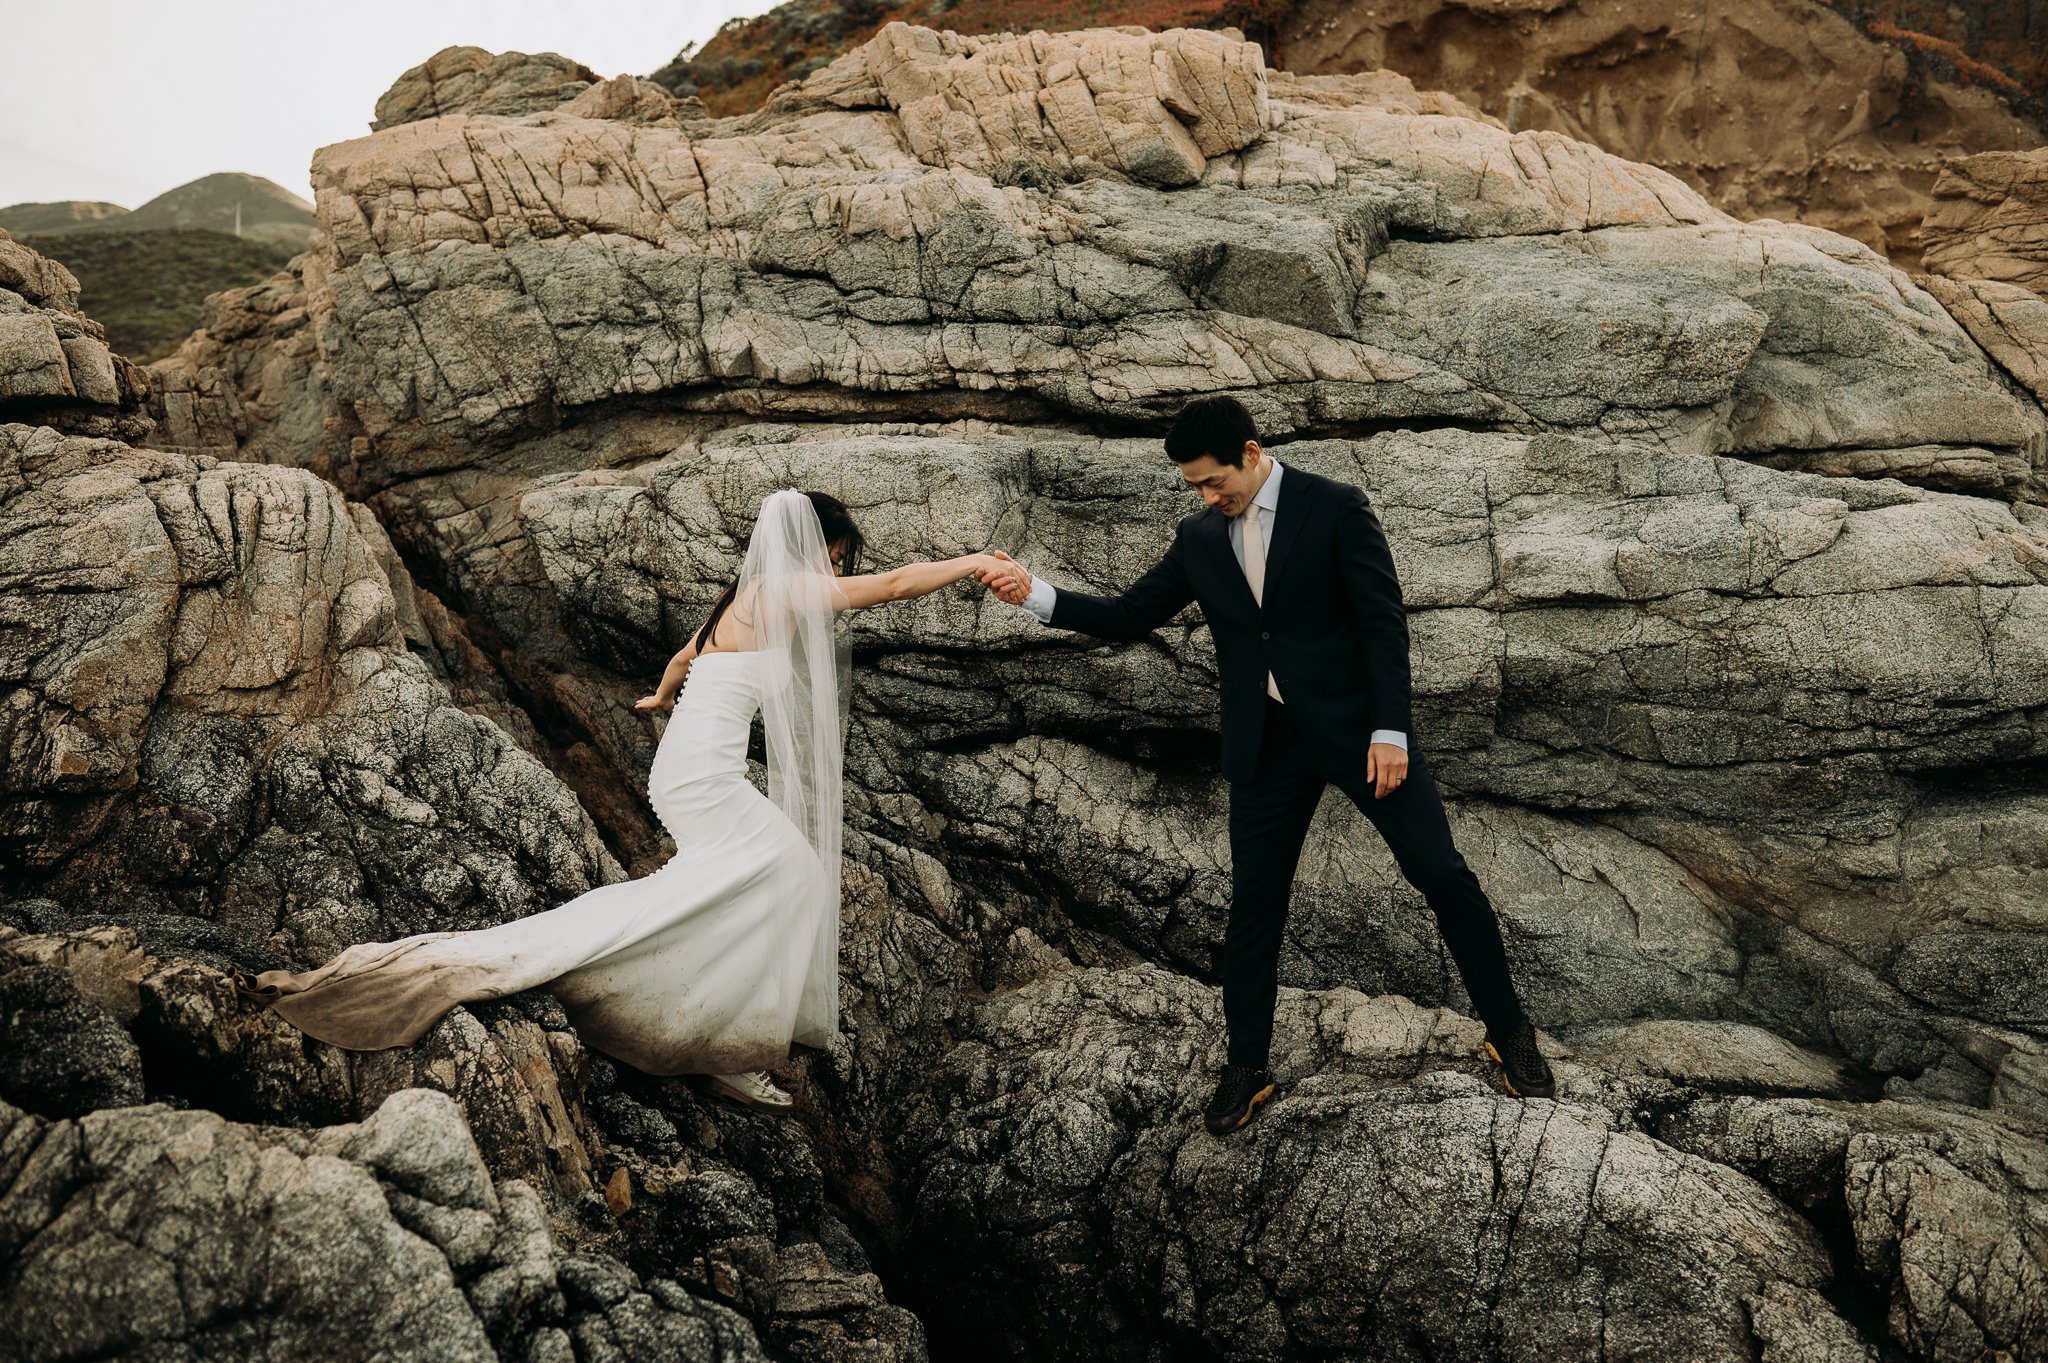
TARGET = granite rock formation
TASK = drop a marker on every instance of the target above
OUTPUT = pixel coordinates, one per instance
(1726, 552)
(469, 80)
(1990, 219)
(55, 368)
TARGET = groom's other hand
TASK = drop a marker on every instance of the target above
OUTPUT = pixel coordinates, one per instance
(1386, 766)
(1011, 585)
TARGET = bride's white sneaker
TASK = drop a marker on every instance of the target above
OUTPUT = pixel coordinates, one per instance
(754, 1088)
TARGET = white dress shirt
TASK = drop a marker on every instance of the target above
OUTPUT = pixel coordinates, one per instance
(1265, 505)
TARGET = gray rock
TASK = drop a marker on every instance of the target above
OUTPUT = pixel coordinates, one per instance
(55, 367)
(1390, 1204)
(63, 1055)
(307, 776)
(148, 1232)
(1727, 564)
(1943, 1209)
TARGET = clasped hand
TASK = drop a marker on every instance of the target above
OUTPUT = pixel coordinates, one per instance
(1005, 577)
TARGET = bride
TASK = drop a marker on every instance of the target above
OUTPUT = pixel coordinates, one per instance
(727, 954)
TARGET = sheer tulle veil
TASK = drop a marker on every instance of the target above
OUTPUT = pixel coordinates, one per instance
(789, 589)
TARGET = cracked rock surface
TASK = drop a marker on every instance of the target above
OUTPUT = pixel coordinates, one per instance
(1726, 555)
(55, 368)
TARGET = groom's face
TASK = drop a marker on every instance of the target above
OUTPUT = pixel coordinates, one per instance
(1229, 490)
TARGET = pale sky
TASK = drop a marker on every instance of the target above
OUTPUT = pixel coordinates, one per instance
(123, 99)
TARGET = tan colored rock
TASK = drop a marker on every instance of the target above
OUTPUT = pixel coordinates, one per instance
(838, 253)
(1150, 106)
(36, 277)
(628, 99)
(471, 80)
(32, 360)
(1990, 219)
(250, 383)
(55, 367)
(1779, 109)
(2009, 320)
(1379, 89)
(106, 964)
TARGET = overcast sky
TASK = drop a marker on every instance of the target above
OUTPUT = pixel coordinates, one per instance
(123, 99)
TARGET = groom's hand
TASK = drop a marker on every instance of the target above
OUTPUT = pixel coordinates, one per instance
(1386, 766)
(1012, 584)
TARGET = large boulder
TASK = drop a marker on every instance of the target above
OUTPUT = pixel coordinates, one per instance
(1393, 1205)
(642, 1178)
(215, 712)
(469, 80)
(898, 235)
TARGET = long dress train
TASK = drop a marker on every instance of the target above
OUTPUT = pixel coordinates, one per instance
(710, 965)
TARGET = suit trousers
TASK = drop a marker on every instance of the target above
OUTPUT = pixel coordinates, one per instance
(1269, 819)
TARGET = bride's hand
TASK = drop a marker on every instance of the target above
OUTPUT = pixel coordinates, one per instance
(1003, 576)
(655, 702)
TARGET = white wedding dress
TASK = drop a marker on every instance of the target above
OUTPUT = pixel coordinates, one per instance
(713, 964)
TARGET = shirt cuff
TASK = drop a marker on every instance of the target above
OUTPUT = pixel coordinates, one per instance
(1393, 736)
(1041, 599)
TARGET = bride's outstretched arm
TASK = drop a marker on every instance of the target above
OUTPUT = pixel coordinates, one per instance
(913, 580)
(671, 679)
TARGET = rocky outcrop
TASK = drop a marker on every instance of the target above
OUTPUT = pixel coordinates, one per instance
(531, 1200)
(1782, 109)
(1060, 1151)
(55, 368)
(1988, 241)
(2009, 321)
(1726, 553)
(1990, 220)
(387, 1238)
(235, 729)
(859, 247)
(469, 80)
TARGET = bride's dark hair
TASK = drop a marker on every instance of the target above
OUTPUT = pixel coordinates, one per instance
(837, 523)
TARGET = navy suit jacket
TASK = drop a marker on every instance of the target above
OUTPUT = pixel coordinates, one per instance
(1332, 630)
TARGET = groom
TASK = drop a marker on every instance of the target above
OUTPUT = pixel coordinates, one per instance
(1298, 587)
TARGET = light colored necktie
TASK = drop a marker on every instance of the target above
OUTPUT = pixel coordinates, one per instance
(1255, 573)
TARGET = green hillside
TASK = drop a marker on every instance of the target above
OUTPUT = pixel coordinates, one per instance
(146, 288)
(267, 208)
(66, 215)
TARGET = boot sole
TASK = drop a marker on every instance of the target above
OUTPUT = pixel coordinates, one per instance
(719, 1086)
(1251, 1109)
(1508, 1083)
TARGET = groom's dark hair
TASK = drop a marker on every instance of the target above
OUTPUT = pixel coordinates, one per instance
(1217, 427)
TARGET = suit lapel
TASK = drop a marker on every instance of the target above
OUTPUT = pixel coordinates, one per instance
(1287, 520)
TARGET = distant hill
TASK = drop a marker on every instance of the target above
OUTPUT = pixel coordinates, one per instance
(66, 215)
(268, 209)
(148, 288)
